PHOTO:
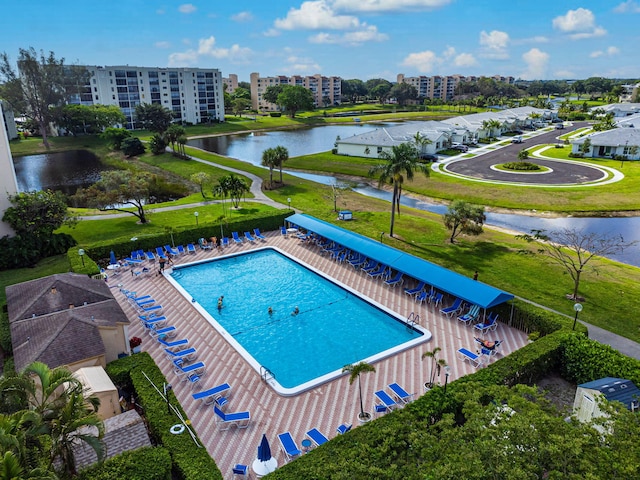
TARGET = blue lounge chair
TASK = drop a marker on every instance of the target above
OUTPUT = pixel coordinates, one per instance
(153, 308)
(370, 266)
(248, 236)
(489, 325)
(421, 296)
(164, 332)
(386, 399)
(257, 233)
(160, 253)
(181, 250)
(437, 300)
(344, 428)
(469, 356)
(146, 302)
(150, 256)
(413, 291)
(283, 232)
(195, 368)
(317, 437)
(236, 238)
(170, 250)
(227, 420)
(132, 261)
(207, 397)
(191, 248)
(397, 280)
(155, 321)
(400, 393)
(225, 241)
(172, 344)
(187, 354)
(453, 308)
(357, 260)
(471, 315)
(288, 445)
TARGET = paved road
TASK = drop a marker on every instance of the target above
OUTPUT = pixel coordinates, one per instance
(561, 173)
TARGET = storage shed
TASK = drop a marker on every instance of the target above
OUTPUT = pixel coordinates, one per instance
(97, 382)
(586, 405)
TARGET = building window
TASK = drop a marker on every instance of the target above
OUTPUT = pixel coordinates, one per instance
(379, 150)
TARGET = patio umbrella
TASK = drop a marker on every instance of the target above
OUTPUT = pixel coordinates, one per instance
(112, 258)
(265, 463)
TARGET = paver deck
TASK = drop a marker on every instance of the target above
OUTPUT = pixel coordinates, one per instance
(324, 407)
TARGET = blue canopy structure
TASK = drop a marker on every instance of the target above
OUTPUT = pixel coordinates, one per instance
(443, 279)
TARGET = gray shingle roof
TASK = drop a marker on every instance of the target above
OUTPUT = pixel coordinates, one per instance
(612, 138)
(44, 328)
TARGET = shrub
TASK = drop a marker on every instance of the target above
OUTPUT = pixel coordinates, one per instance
(523, 154)
(524, 166)
(132, 146)
(148, 463)
(275, 114)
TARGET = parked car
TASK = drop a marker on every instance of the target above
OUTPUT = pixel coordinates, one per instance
(429, 157)
(559, 126)
(459, 146)
(517, 139)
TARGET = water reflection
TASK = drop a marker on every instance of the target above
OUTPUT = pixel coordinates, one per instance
(63, 171)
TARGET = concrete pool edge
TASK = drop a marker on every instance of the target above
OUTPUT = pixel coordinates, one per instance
(424, 334)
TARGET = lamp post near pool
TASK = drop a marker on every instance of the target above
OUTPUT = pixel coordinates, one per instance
(81, 253)
(196, 214)
(578, 308)
(447, 372)
(289, 202)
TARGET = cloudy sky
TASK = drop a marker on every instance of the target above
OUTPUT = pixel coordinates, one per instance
(534, 39)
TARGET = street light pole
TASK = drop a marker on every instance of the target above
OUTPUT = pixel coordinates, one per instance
(289, 202)
(578, 308)
(447, 372)
(196, 214)
(81, 253)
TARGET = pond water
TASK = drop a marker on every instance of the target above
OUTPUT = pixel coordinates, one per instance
(63, 171)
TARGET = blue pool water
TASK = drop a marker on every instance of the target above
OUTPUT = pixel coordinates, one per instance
(334, 327)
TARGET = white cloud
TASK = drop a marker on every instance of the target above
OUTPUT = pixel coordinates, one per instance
(387, 5)
(369, 34)
(494, 44)
(300, 66)
(242, 17)
(272, 32)
(628, 7)
(207, 48)
(579, 24)
(465, 60)
(536, 61)
(536, 39)
(423, 62)
(609, 52)
(315, 15)
(187, 8)
(449, 52)
(162, 44)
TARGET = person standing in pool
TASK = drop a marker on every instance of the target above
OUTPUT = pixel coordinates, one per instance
(296, 311)
(220, 300)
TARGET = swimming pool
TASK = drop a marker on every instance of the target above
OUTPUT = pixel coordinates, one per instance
(334, 326)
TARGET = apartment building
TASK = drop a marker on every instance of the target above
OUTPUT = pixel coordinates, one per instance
(8, 182)
(231, 82)
(326, 90)
(442, 87)
(194, 95)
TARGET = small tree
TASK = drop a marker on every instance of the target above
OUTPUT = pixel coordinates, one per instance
(523, 154)
(154, 117)
(201, 179)
(37, 214)
(115, 136)
(354, 371)
(269, 160)
(157, 144)
(295, 98)
(281, 155)
(132, 146)
(585, 148)
(436, 364)
(463, 217)
(573, 249)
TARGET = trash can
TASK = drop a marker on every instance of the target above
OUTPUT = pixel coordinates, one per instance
(345, 215)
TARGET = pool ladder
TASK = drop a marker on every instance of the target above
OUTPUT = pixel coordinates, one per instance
(266, 374)
(413, 319)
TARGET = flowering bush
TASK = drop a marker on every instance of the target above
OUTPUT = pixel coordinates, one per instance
(135, 342)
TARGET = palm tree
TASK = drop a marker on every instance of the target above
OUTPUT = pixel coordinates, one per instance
(281, 155)
(354, 372)
(436, 364)
(269, 160)
(403, 158)
(421, 141)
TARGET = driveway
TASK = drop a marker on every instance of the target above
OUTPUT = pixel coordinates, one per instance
(560, 172)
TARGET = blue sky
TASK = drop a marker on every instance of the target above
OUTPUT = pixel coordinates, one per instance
(534, 39)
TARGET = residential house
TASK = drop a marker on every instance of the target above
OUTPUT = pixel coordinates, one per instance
(618, 110)
(67, 320)
(624, 142)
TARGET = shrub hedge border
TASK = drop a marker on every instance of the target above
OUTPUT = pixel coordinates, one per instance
(147, 463)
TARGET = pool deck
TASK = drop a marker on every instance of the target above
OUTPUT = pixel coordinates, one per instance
(324, 407)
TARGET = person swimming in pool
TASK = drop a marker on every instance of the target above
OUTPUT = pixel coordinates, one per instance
(220, 300)
(270, 311)
(296, 311)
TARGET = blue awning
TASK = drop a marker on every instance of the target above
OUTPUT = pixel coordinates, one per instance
(443, 279)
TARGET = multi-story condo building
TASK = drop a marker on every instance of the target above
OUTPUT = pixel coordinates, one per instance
(8, 182)
(442, 87)
(326, 90)
(231, 82)
(194, 95)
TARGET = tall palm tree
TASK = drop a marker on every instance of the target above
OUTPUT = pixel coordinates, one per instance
(354, 372)
(281, 155)
(269, 160)
(402, 159)
(436, 363)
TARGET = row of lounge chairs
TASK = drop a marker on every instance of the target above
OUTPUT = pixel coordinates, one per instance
(486, 350)
(290, 448)
(388, 402)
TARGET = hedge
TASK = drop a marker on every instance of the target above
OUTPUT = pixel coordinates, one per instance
(147, 463)
(190, 462)
(82, 264)
(265, 221)
(535, 320)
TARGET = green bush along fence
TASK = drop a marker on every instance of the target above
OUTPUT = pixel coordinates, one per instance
(148, 463)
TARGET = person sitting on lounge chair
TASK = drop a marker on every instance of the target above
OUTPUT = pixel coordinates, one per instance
(488, 344)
